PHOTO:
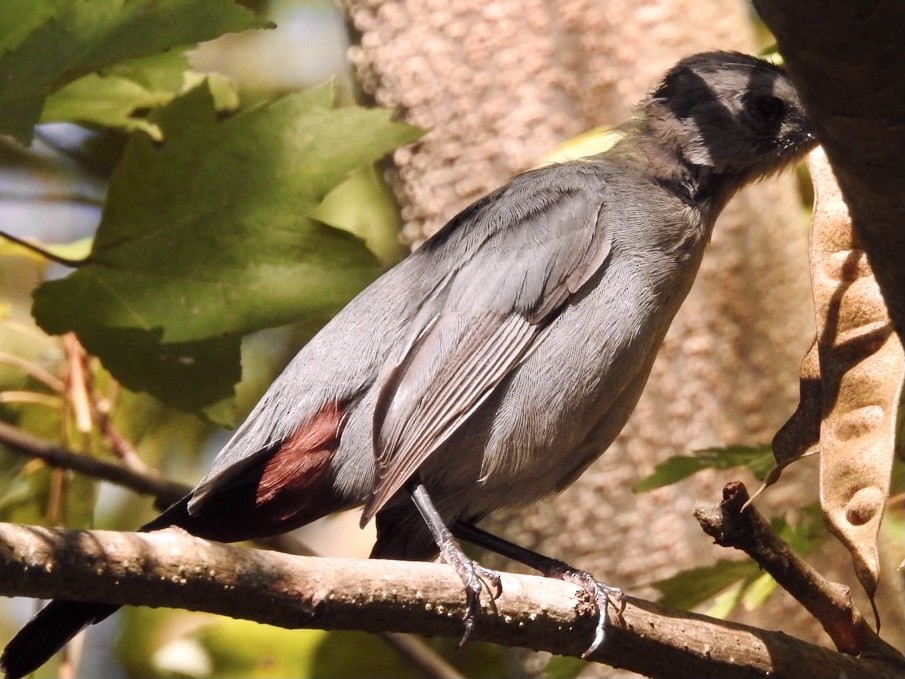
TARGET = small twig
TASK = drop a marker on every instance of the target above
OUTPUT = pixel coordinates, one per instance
(46, 254)
(33, 370)
(26, 329)
(53, 197)
(830, 603)
(33, 397)
(121, 446)
(421, 656)
(145, 483)
(167, 492)
(55, 510)
(76, 383)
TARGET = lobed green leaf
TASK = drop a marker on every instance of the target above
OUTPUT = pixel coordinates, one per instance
(46, 44)
(209, 236)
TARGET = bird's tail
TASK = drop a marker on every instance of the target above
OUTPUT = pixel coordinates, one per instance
(47, 633)
(55, 624)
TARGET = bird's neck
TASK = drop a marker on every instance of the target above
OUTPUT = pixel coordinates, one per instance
(654, 148)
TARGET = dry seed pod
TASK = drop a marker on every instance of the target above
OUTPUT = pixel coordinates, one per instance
(861, 366)
(801, 433)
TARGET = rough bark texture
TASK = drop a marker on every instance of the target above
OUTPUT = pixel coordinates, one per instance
(172, 568)
(499, 84)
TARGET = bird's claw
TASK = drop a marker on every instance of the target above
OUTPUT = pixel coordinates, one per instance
(602, 594)
(475, 578)
(492, 578)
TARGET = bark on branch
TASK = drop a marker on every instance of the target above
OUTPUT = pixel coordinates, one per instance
(733, 524)
(171, 568)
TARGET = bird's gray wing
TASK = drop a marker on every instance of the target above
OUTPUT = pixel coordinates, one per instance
(519, 255)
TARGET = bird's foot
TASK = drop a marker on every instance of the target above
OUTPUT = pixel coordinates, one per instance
(475, 577)
(602, 594)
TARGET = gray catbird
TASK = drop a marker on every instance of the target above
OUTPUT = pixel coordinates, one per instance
(492, 366)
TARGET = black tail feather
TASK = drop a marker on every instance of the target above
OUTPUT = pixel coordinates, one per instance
(48, 632)
(177, 514)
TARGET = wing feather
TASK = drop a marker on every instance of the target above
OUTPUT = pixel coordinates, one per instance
(520, 255)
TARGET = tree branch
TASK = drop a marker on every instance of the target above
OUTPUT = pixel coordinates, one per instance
(166, 492)
(163, 491)
(64, 554)
(172, 568)
(733, 524)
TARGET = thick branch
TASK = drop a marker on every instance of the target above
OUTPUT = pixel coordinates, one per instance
(166, 492)
(174, 569)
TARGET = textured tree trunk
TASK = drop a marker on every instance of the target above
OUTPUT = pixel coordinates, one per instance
(499, 84)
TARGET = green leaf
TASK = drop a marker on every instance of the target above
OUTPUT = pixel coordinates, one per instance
(119, 96)
(759, 459)
(586, 144)
(238, 648)
(805, 532)
(362, 205)
(726, 601)
(564, 667)
(21, 18)
(757, 591)
(690, 588)
(223, 90)
(208, 236)
(186, 375)
(112, 97)
(45, 44)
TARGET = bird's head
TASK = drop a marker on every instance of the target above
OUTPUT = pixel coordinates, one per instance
(733, 115)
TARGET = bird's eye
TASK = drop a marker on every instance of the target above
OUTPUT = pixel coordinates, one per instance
(768, 108)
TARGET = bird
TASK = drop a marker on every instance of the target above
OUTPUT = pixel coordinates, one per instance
(495, 363)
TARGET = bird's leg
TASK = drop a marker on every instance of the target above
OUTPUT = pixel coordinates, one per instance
(603, 595)
(472, 573)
